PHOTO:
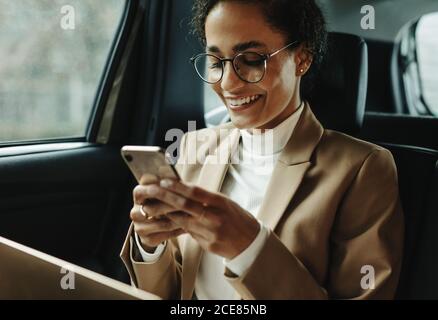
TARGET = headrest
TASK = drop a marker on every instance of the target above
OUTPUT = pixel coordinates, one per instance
(340, 87)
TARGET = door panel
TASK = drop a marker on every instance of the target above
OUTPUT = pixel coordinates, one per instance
(60, 202)
(73, 201)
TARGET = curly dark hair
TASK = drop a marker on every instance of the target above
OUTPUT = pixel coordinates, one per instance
(298, 20)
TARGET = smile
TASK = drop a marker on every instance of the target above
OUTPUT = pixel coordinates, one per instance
(244, 101)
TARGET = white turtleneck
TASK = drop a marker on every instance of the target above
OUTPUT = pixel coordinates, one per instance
(245, 183)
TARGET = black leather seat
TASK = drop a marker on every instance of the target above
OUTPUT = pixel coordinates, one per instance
(423, 279)
(338, 99)
(339, 92)
(418, 181)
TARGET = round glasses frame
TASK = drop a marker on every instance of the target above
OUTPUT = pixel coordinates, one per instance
(264, 57)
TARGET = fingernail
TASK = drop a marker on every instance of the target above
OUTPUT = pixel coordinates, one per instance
(152, 190)
(166, 183)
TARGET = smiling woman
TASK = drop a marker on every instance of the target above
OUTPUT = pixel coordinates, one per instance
(301, 219)
(223, 25)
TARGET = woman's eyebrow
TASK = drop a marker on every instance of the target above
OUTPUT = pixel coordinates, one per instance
(248, 45)
(240, 47)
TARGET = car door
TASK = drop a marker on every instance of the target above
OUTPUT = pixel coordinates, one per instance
(64, 113)
(103, 74)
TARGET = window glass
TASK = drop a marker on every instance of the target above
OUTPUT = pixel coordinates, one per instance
(53, 53)
(427, 55)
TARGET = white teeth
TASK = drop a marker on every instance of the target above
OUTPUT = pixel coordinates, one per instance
(242, 101)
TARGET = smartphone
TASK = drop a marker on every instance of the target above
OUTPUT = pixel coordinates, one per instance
(146, 161)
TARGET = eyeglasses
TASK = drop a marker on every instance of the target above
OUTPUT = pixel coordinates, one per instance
(249, 66)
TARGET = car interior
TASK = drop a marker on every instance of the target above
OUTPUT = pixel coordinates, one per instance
(70, 196)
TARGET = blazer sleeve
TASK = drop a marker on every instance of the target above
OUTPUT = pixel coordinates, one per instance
(365, 246)
(163, 277)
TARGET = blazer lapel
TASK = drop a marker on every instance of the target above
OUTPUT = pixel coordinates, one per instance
(287, 179)
(288, 173)
(211, 177)
(293, 163)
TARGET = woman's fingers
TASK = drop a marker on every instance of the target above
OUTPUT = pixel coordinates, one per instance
(141, 194)
(136, 215)
(149, 226)
(192, 192)
(177, 196)
(156, 208)
(146, 179)
(193, 225)
(152, 232)
(172, 199)
(155, 239)
(151, 205)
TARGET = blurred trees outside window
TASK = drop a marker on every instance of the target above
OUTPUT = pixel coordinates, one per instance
(52, 57)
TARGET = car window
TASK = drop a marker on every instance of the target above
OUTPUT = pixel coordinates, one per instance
(427, 49)
(418, 65)
(53, 56)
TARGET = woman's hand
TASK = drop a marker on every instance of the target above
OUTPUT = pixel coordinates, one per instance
(219, 224)
(154, 228)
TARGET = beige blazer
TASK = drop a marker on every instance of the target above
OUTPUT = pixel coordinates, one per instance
(333, 209)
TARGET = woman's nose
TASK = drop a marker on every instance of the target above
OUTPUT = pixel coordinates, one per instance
(230, 80)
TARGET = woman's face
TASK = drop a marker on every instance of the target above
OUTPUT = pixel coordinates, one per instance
(233, 27)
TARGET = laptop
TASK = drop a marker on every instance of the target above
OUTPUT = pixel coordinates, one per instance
(26, 273)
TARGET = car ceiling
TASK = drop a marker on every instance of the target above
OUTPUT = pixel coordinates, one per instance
(391, 15)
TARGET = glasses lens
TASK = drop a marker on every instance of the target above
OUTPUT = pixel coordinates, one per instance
(209, 68)
(250, 66)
